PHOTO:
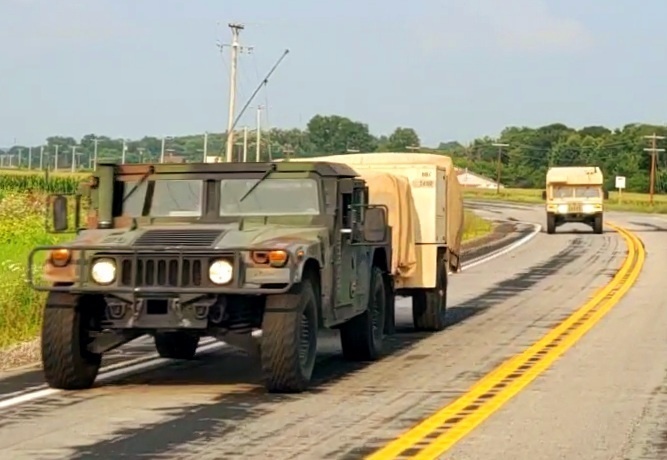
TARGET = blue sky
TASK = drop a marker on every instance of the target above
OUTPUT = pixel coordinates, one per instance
(451, 69)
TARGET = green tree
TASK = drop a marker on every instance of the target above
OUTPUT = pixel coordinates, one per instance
(402, 138)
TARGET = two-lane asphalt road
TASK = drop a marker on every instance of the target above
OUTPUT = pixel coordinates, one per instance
(601, 400)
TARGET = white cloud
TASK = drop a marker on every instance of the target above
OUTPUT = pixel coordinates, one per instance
(508, 25)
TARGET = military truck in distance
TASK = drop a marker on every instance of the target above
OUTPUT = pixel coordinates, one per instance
(258, 255)
(575, 194)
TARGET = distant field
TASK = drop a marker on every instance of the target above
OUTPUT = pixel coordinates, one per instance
(635, 202)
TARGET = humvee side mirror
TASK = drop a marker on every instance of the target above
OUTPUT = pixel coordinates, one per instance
(375, 225)
(605, 194)
(60, 216)
(544, 194)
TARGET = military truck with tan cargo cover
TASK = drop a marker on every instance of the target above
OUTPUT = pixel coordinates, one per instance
(575, 194)
(258, 255)
(425, 202)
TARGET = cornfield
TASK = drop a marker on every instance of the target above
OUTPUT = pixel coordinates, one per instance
(38, 183)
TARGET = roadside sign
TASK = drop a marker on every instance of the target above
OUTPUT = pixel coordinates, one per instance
(620, 182)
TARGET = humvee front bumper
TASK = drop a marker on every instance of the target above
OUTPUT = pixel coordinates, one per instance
(148, 271)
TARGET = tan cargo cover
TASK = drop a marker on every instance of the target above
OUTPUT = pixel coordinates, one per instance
(454, 202)
(394, 192)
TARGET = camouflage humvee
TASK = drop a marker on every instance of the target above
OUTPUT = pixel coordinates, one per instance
(259, 255)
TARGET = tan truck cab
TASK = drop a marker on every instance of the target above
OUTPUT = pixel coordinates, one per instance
(575, 194)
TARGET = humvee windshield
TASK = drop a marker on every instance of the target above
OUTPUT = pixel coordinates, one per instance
(581, 191)
(270, 197)
(171, 198)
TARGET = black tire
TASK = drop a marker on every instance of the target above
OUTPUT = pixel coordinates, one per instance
(598, 224)
(390, 315)
(66, 361)
(429, 306)
(176, 344)
(362, 336)
(551, 224)
(288, 346)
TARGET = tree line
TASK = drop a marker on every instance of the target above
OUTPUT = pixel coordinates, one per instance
(524, 160)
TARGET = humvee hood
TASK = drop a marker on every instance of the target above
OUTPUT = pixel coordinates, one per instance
(268, 237)
(218, 236)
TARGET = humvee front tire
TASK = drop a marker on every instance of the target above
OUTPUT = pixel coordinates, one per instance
(598, 224)
(176, 344)
(288, 346)
(66, 361)
(551, 223)
(362, 337)
(429, 306)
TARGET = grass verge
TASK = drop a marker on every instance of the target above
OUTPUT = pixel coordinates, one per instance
(21, 229)
(475, 226)
(632, 202)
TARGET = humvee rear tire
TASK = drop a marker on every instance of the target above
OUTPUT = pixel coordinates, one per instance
(288, 346)
(176, 344)
(598, 224)
(551, 223)
(66, 361)
(429, 306)
(362, 337)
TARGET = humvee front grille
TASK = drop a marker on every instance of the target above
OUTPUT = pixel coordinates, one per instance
(574, 207)
(163, 271)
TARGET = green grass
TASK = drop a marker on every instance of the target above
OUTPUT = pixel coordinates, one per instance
(633, 202)
(21, 229)
(474, 226)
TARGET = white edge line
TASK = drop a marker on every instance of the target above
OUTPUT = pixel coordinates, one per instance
(153, 360)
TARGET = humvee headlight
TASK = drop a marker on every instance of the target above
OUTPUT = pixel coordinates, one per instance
(562, 208)
(588, 208)
(220, 272)
(103, 271)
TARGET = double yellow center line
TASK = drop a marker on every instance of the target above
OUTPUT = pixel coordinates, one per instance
(438, 433)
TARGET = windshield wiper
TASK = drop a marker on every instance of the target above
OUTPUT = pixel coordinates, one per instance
(142, 179)
(271, 169)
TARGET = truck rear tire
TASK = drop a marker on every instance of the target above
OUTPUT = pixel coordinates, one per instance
(429, 306)
(551, 223)
(598, 224)
(66, 360)
(362, 337)
(176, 344)
(288, 346)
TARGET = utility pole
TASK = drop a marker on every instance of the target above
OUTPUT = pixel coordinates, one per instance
(205, 146)
(162, 151)
(55, 165)
(95, 142)
(74, 158)
(259, 133)
(122, 156)
(236, 49)
(500, 162)
(41, 158)
(245, 144)
(20, 158)
(654, 150)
